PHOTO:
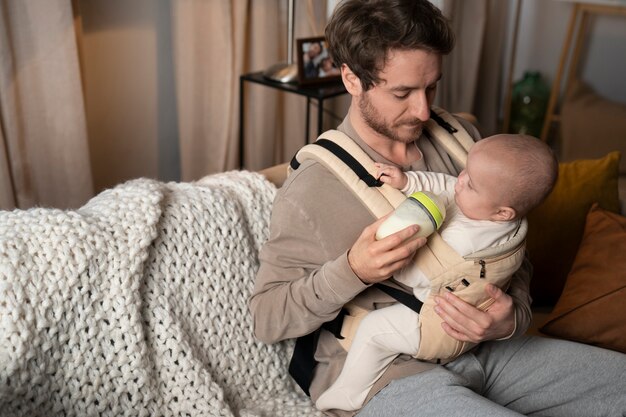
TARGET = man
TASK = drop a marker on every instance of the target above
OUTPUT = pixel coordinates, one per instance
(322, 252)
(312, 58)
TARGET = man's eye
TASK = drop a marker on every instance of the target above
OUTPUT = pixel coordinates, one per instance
(401, 96)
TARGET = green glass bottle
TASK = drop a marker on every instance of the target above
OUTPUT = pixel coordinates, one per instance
(529, 103)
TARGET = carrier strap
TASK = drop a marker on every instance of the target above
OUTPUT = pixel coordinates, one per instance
(303, 363)
(403, 297)
(347, 159)
(441, 122)
(447, 131)
(354, 168)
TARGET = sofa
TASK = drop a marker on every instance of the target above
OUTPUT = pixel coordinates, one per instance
(136, 303)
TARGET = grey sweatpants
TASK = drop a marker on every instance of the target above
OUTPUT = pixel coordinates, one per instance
(531, 376)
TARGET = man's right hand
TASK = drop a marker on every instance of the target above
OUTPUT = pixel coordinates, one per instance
(376, 260)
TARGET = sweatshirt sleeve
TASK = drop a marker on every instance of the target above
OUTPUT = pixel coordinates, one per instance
(297, 287)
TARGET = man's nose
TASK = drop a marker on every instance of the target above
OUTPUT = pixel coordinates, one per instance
(419, 106)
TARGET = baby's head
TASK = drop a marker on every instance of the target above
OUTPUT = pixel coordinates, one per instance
(506, 176)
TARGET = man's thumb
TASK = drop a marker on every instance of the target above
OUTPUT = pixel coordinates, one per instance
(493, 291)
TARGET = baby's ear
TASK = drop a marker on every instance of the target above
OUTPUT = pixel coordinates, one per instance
(504, 214)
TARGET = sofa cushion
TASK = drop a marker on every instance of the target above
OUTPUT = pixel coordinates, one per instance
(556, 226)
(591, 308)
(276, 174)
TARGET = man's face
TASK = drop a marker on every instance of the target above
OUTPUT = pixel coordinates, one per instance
(314, 50)
(398, 106)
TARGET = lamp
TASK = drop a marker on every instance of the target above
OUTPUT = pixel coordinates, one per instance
(285, 72)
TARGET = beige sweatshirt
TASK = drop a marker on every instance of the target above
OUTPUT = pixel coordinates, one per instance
(304, 278)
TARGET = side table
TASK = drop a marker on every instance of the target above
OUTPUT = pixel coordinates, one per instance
(319, 92)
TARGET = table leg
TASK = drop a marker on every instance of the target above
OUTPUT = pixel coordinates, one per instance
(307, 125)
(320, 116)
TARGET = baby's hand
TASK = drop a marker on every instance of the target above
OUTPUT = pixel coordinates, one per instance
(391, 175)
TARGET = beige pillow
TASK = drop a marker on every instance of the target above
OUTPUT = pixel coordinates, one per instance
(591, 126)
(592, 308)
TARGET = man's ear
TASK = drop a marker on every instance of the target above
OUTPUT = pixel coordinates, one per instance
(351, 81)
(504, 214)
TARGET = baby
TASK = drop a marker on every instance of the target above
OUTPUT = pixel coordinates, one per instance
(505, 177)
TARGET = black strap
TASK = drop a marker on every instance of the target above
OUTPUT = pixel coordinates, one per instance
(303, 363)
(439, 120)
(347, 159)
(334, 326)
(403, 297)
(294, 163)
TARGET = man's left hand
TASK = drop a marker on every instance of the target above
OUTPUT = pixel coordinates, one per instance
(466, 323)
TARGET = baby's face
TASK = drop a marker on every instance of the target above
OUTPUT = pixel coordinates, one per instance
(479, 187)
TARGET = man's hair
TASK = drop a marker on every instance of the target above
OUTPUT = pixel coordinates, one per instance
(530, 170)
(362, 32)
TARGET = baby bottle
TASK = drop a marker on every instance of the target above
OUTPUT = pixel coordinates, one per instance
(422, 208)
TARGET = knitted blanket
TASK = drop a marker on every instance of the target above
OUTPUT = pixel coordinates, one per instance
(136, 304)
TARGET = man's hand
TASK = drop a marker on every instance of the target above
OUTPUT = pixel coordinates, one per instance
(466, 323)
(376, 260)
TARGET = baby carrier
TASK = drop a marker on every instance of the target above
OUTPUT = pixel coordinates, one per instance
(447, 271)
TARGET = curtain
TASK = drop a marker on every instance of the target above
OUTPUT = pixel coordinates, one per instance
(44, 158)
(205, 46)
(473, 72)
(7, 194)
(214, 42)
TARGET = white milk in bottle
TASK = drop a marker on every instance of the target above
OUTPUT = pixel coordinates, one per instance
(422, 208)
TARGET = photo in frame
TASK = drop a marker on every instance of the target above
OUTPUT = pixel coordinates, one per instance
(314, 62)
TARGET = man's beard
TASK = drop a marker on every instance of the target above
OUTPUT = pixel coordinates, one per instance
(372, 118)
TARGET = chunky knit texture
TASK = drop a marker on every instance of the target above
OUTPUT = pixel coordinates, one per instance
(136, 304)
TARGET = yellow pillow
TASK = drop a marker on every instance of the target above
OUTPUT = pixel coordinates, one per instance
(556, 226)
(592, 308)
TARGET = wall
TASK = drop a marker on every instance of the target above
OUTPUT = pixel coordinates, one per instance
(543, 27)
(129, 87)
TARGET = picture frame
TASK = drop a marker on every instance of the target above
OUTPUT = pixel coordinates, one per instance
(314, 63)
